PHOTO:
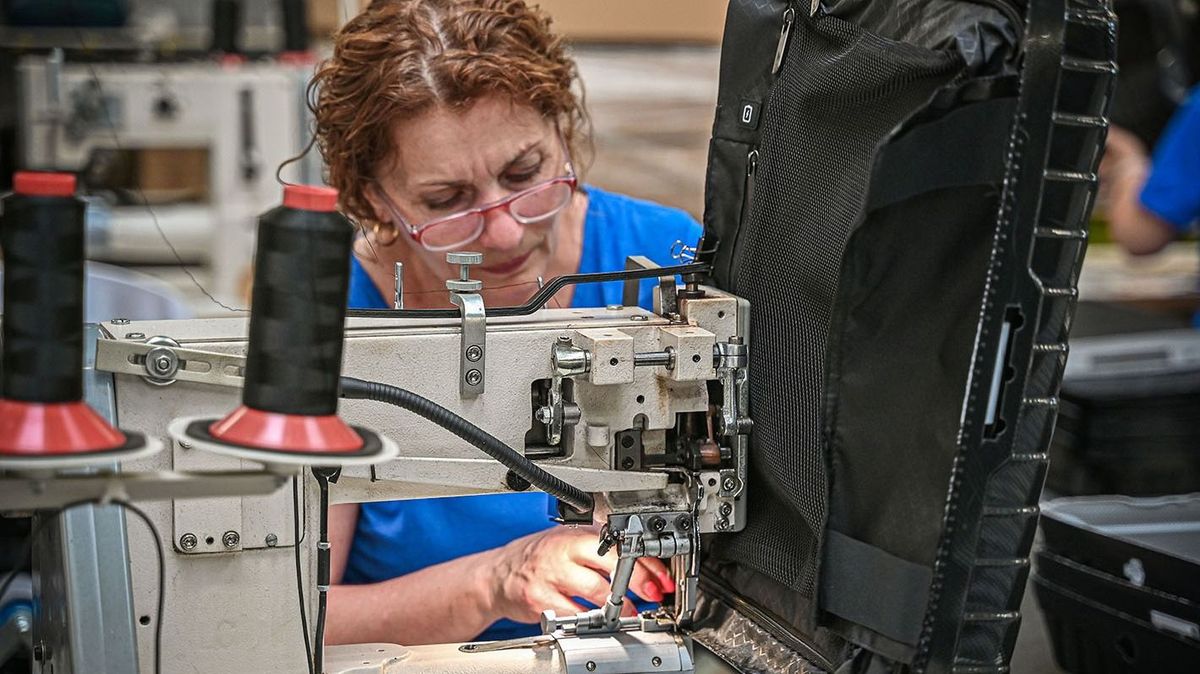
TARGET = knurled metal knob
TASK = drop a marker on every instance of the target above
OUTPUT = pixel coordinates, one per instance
(464, 258)
(464, 286)
(464, 283)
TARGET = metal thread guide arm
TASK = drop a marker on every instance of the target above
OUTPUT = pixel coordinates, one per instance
(464, 293)
(657, 534)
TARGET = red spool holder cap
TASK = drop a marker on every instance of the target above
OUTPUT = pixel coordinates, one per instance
(30, 430)
(40, 184)
(310, 198)
(248, 427)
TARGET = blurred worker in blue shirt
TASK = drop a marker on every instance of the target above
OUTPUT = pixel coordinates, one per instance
(1152, 200)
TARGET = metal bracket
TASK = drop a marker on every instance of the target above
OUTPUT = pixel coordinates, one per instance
(161, 361)
(472, 353)
(666, 286)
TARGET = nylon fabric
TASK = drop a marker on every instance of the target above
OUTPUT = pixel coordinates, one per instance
(839, 93)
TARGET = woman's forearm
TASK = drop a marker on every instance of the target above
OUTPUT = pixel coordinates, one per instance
(447, 602)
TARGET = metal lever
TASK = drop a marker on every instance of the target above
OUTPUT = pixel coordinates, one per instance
(464, 293)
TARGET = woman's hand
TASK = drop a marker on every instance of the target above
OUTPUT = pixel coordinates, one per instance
(547, 569)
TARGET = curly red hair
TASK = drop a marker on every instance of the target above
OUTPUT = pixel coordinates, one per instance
(399, 58)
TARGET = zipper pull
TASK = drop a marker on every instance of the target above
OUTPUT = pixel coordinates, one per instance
(751, 163)
(789, 17)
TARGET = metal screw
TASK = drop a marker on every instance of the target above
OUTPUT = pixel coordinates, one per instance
(188, 542)
(728, 484)
(544, 414)
(726, 509)
(657, 524)
(135, 335)
(627, 463)
(722, 524)
(590, 666)
(474, 353)
(563, 339)
(683, 522)
(185, 445)
(162, 363)
(656, 661)
(120, 321)
(272, 540)
(614, 307)
(474, 377)
(231, 539)
(639, 318)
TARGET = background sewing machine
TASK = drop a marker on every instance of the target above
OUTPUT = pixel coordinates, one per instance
(199, 141)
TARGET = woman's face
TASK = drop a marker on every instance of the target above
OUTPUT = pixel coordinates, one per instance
(447, 161)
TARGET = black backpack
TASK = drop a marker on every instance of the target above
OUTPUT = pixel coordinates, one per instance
(901, 190)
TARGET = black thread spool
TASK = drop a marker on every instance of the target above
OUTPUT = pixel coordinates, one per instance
(298, 308)
(42, 239)
(226, 26)
(43, 419)
(295, 25)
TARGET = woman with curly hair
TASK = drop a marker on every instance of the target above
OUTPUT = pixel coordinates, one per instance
(453, 125)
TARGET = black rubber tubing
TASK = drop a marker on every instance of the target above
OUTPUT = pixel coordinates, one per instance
(515, 461)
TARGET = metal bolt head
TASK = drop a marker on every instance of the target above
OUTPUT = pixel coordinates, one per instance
(162, 363)
(639, 318)
(728, 484)
(135, 335)
(722, 524)
(726, 509)
(627, 463)
(474, 377)
(188, 542)
(656, 661)
(544, 414)
(231, 539)
(120, 321)
(464, 257)
(272, 540)
(474, 353)
(590, 666)
(683, 522)
(657, 524)
(614, 307)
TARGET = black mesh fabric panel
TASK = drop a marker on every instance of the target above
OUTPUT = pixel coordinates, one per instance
(840, 91)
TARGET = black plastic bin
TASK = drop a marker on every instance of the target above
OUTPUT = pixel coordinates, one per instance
(1118, 581)
(1129, 416)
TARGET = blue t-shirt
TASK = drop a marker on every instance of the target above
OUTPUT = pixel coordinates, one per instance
(398, 537)
(1172, 191)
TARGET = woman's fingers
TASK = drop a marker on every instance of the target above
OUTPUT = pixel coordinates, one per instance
(650, 580)
(583, 582)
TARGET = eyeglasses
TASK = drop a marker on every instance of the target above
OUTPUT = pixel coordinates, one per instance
(529, 206)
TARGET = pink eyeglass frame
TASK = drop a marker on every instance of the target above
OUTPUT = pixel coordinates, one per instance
(416, 231)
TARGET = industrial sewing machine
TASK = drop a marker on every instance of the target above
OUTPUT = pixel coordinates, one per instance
(614, 400)
(835, 428)
(219, 129)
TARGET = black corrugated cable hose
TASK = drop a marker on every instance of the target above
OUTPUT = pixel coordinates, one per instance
(515, 461)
